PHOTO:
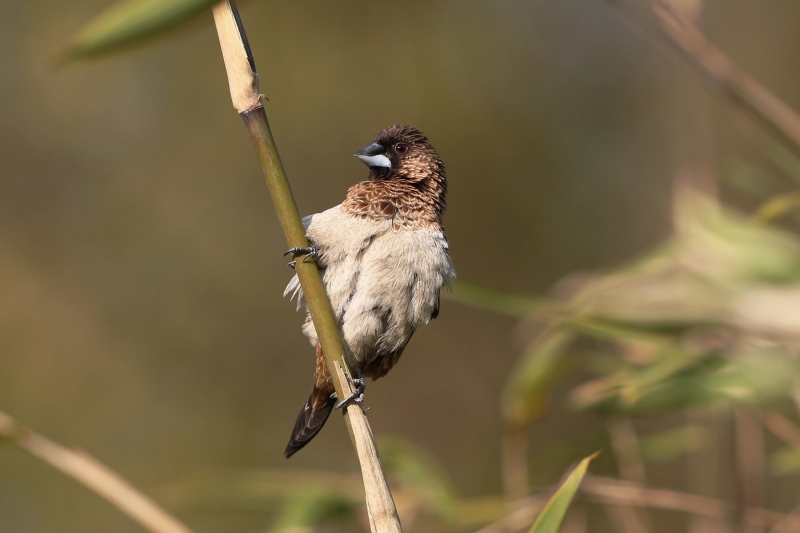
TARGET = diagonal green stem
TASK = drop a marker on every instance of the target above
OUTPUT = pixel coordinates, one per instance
(316, 298)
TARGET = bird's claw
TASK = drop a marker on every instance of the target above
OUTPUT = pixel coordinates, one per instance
(359, 382)
(308, 251)
(353, 397)
(304, 250)
(357, 396)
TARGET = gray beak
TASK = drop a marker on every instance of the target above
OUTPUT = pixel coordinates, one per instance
(374, 155)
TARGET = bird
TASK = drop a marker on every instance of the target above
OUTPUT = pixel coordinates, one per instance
(384, 258)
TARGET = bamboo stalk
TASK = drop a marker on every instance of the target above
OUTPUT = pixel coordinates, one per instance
(94, 475)
(243, 82)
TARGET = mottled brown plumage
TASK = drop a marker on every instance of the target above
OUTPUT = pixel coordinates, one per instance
(384, 259)
(412, 193)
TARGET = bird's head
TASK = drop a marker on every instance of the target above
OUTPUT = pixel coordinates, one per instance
(402, 152)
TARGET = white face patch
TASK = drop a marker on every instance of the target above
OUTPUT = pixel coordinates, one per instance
(375, 160)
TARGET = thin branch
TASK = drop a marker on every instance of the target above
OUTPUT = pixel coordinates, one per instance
(749, 463)
(763, 518)
(610, 490)
(789, 524)
(715, 66)
(246, 98)
(94, 475)
(576, 521)
(703, 469)
(625, 444)
(521, 518)
(515, 463)
(782, 427)
(625, 519)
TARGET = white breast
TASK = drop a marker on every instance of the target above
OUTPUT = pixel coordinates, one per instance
(382, 283)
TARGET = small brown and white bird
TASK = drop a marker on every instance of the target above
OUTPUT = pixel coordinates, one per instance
(383, 258)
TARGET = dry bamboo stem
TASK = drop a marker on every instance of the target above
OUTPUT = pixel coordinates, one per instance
(243, 82)
(94, 475)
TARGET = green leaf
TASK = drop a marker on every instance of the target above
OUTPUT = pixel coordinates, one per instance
(527, 393)
(129, 21)
(782, 157)
(418, 475)
(305, 511)
(778, 207)
(785, 461)
(750, 179)
(740, 377)
(673, 443)
(549, 520)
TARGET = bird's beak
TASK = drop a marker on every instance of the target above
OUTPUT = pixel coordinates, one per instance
(374, 155)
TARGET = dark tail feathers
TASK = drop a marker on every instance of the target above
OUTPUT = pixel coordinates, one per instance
(310, 420)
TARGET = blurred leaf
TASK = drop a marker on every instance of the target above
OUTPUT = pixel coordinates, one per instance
(549, 520)
(754, 376)
(785, 461)
(471, 512)
(651, 359)
(489, 299)
(673, 443)
(129, 21)
(311, 508)
(526, 395)
(696, 278)
(711, 317)
(725, 248)
(782, 157)
(557, 455)
(611, 395)
(418, 475)
(778, 207)
(750, 179)
(744, 377)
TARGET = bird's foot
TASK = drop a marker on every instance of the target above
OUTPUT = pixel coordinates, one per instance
(306, 252)
(357, 396)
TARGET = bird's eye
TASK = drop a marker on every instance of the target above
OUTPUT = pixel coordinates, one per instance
(401, 148)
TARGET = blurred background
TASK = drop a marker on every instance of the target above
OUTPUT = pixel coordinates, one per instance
(141, 271)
